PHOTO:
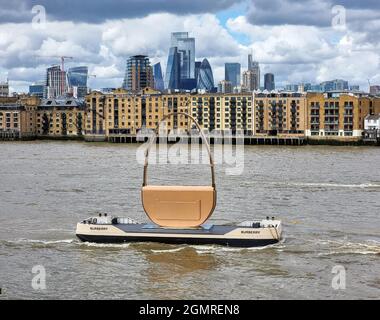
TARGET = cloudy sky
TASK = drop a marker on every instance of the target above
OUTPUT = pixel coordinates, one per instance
(297, 40)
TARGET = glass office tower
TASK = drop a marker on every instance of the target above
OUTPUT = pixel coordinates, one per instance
(197, 67)
(173, 76)
(269, 82)
(180, 71)
(77, 81)
(205, 80)
(37, 90)
(186, 50)
(335, 85)
(158, 79)
(232, 73)
(250, 62)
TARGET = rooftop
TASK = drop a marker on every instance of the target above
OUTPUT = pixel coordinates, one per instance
(4, 107)
(69, 102)
(373, 117)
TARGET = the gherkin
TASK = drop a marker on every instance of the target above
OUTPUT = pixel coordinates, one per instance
(205, 80)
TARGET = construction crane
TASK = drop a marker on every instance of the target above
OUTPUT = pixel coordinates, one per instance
(63, 58)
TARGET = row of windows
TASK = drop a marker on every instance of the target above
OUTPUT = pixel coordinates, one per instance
(279, 108)
(8, 114)
(56, 132)
(8, 125)
(58, 114)
(129, 106)
(57, 126)
(219, 98)
(261, 125)
(56, 120)
(226, 110)
(277, 101)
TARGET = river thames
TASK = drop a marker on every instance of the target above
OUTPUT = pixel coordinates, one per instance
(327, 197)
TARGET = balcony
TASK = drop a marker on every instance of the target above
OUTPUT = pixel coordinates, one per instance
(331, 107)
(348, 121)
(331, 123)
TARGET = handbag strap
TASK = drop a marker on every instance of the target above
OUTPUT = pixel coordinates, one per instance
(153, 140)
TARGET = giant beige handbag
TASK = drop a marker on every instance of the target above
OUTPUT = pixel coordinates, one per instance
(178, 206)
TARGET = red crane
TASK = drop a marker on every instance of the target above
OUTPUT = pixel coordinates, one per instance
(63, 58)
(63, 72)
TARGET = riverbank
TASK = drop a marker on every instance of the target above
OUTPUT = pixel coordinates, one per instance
(258, 140)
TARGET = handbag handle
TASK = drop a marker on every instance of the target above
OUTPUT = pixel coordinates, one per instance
(154, 136)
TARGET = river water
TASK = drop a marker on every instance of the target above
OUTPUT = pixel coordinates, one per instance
(327, 197)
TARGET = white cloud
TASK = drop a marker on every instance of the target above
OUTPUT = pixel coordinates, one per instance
(105, 47)
(312, 54)
(107, 72)
(293, 53)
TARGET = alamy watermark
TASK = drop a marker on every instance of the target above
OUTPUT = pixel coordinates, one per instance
(339, 20)
(338, 281)
(190, 150)
(39, 18)
(39, 280)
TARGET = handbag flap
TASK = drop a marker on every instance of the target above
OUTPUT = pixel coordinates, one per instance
(179, 206)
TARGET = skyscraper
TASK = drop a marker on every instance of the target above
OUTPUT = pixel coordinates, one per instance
(269, 83)
(173, 76)
(293, 88)
(55, 82)
(255, 68)
(225, 86)
(250, 81)
(77, 81)
(37, 89)
(197, 67)
(335, 85)
(181, 60)
(304, 87)
(250, 62)
(374, 90)
(138, 74)
(205, 80)
(157, 75)
(232, 73)
(4, 89)
(186, 50)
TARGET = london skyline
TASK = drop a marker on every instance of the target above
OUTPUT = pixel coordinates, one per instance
(296, 42)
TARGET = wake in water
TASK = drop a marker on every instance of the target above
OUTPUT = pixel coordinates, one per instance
(42, 242)
(168, 250)
(215, 249)
(324, 247)
(64, 242)
(343, 247)
(105, 245)
(331, 185)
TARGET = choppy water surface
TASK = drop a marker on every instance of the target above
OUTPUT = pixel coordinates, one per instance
(328, 198)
